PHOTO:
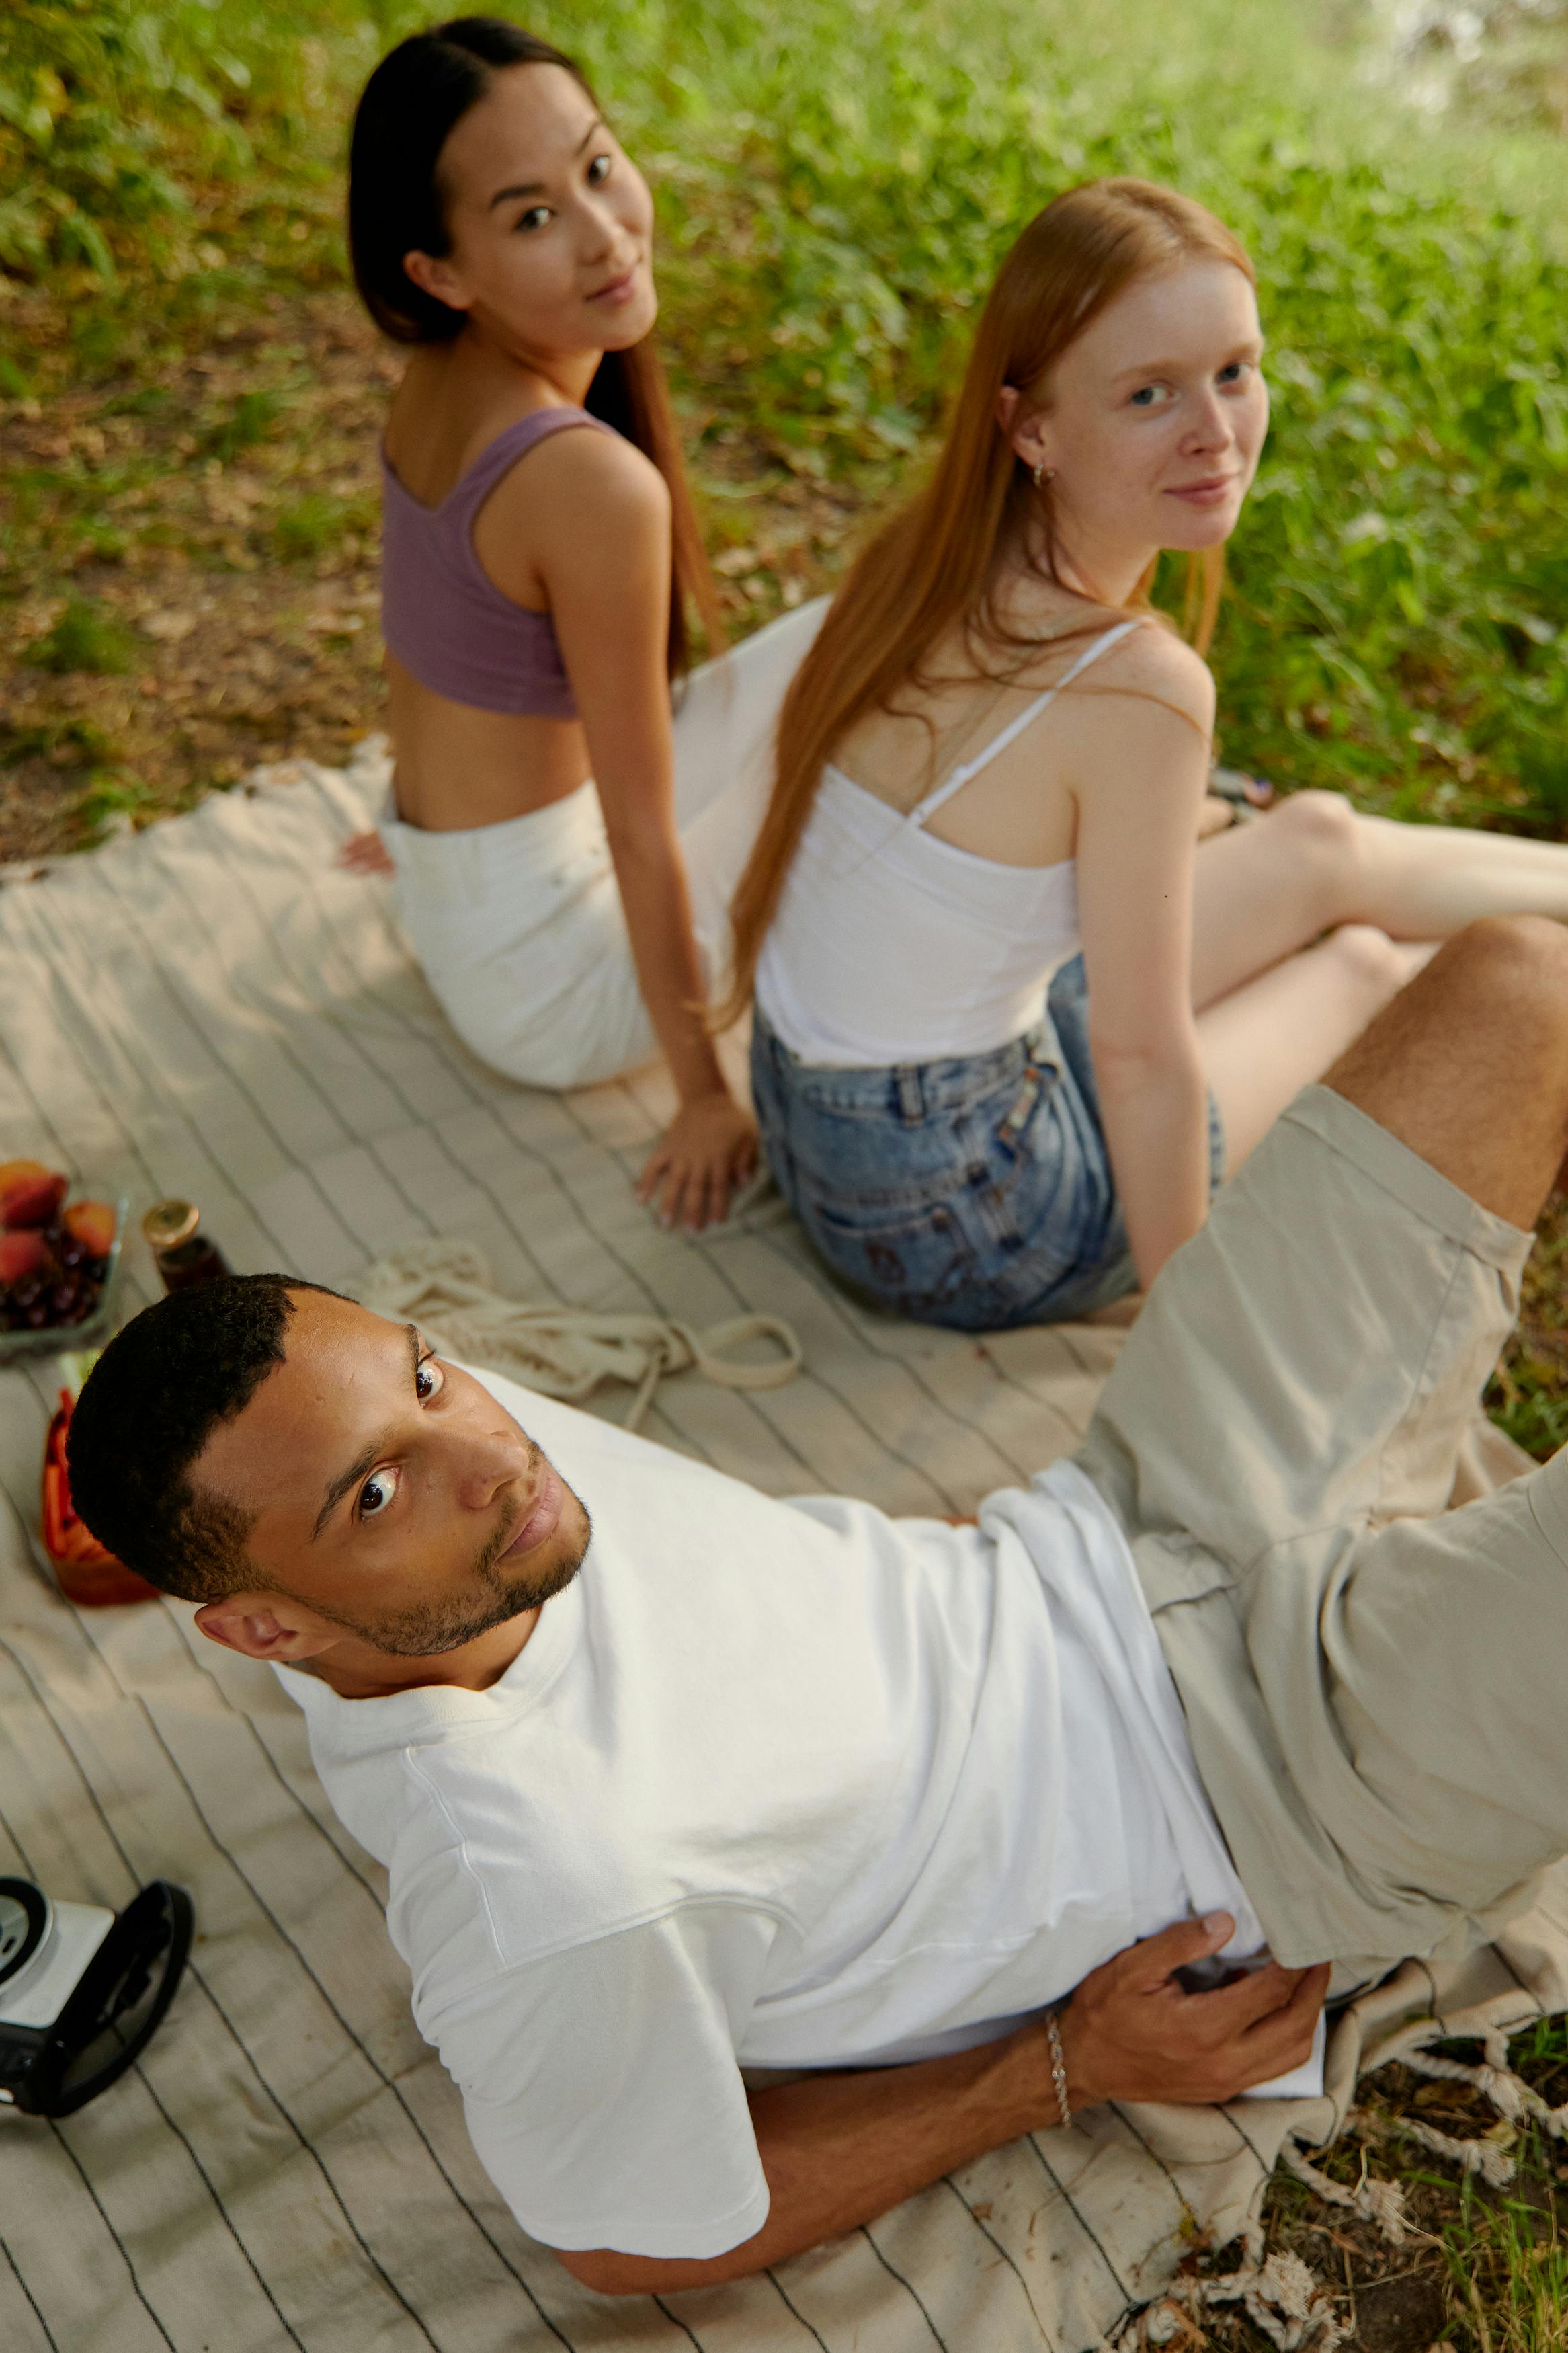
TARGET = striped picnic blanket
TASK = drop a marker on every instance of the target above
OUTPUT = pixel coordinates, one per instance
(208, 1009)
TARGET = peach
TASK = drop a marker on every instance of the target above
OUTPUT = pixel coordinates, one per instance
(30, 1194)
(91, 1223)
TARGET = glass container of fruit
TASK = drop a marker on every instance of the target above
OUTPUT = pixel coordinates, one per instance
(59, 1261)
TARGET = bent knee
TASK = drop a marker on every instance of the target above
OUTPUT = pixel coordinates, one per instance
(1510, 972)
(1323, 825)
(1320, 836)
(1517, 954)
(1375, 966)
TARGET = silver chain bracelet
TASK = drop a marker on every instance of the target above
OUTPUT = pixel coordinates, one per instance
(1059, 2069)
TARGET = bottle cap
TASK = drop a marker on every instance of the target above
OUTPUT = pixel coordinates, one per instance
(167, 1224)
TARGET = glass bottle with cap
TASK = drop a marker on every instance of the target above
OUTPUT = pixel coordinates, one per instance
(182, 1253)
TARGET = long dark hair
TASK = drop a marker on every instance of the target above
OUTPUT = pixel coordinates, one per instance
(408, 108)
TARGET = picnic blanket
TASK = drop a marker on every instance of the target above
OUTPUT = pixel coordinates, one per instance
(208, 1009)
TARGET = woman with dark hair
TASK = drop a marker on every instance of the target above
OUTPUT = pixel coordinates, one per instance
(562, 854)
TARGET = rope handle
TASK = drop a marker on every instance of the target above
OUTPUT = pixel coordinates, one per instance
(444, 1286)
(705, 1355)
(708, 1351)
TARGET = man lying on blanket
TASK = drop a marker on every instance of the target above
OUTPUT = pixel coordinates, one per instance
(672, 1779)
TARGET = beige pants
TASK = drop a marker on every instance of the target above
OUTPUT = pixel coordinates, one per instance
(1376, 1687)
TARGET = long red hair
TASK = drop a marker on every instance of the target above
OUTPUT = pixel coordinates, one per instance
(938, 563)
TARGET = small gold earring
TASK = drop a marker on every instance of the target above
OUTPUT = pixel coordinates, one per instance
(1044, 473)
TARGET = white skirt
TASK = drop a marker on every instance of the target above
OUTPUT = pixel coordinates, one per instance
(519, 928)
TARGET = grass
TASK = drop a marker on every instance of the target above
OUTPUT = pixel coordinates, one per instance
(308, 526)
(1510, 2269)
(248, 419)
(1507, 2256)
(84, 638)
(1479, 2271)
(836, 185)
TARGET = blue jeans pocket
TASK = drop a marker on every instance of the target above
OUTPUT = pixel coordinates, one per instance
(975, 1193)
(1031, 1197)
(913, 1258)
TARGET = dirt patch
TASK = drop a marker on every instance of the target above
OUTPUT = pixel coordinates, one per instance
(1501, 2244)
(1403, 2314)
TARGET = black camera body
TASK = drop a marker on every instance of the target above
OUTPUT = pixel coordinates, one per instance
(82, 1989)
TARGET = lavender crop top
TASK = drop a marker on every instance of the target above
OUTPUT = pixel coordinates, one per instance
(443, 616)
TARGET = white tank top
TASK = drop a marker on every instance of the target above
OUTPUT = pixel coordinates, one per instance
(891, 946)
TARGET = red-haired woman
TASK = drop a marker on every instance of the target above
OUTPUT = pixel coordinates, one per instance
(563, 859)
(1010, 1029)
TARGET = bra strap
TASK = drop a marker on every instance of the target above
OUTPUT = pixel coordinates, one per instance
(469, 493)
(1014, 727)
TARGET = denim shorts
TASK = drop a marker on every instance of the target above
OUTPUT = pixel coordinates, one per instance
(976, 1192)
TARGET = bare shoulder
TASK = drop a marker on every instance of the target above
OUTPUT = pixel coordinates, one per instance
(1154, 665)
(582, 510)
(583, 474)
(1140, 716)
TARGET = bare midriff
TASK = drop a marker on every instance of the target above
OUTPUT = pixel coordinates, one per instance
(457, 768)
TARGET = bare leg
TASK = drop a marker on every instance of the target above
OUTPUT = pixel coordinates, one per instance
(1261, 892)
(1273, 1035)
(1468, 1066)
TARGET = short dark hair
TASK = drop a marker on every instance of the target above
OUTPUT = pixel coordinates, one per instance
(146, 1410)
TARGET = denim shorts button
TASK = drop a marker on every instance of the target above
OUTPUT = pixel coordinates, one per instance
(940, 1220)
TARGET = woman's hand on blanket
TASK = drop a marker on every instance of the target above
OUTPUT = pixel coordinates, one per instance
(708, 1149)
(365, 853)
(1133, 2030)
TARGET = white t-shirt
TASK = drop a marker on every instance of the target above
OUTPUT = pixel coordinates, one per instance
(771, 1784)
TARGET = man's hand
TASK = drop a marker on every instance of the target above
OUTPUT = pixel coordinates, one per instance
(1133, 2032)
(840, 2150)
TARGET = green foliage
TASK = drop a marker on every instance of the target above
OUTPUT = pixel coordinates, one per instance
(85, 636)
(1400, 579)
(1510, 2272)
(1401, 576)
(837, 183)
(71, 743)
(94, 101)
(110, 796)
(115, 114)
(1528, 1403)
(1538, 2050)
(247, 420)
(317, 522)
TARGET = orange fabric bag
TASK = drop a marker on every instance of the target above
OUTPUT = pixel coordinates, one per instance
(84, 1572)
